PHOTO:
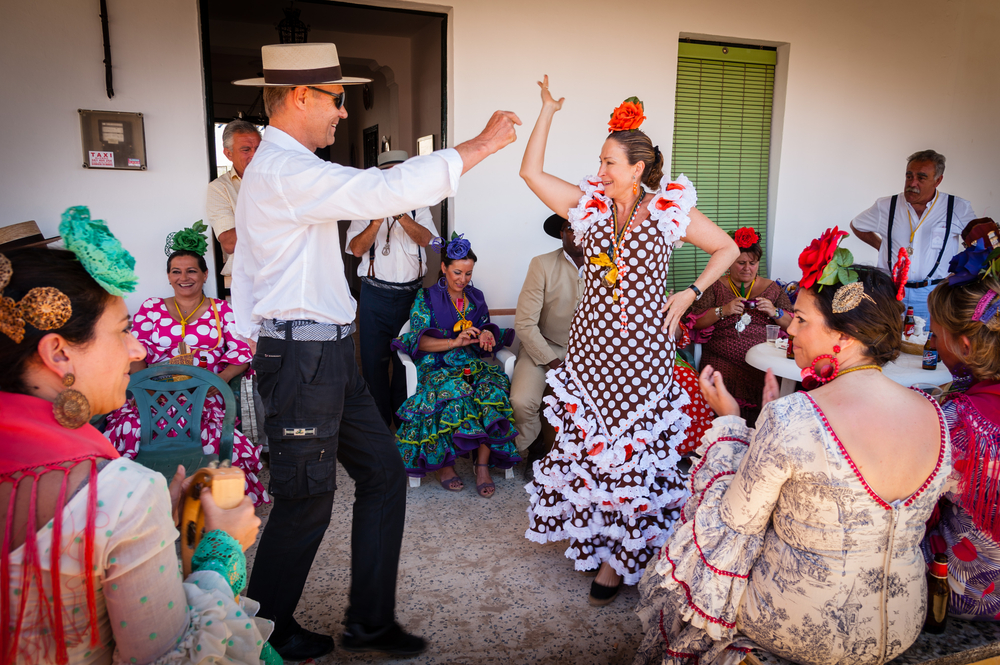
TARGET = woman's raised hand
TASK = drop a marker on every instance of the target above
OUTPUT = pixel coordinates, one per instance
(734, 307)
(486, 341)
(240, 522)
(547, 99)
(714, 390)
(771, 390)
(467, 336)
(674, 308)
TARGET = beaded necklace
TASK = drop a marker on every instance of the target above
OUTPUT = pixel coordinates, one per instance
(858, 368)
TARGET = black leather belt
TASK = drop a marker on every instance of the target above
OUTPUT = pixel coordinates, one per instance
(926, 282)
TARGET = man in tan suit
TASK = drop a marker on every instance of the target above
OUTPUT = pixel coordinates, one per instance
(545, 307)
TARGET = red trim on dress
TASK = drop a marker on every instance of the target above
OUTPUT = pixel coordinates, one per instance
(704, 457)
(857, 472)
(670, 652)
(694, 532)
(687, 593)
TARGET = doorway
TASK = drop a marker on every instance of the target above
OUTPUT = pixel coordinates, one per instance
(403, 51)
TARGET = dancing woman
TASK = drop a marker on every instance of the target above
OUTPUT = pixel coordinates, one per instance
(611, 483)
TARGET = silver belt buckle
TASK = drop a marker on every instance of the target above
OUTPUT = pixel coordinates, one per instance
(299, 431)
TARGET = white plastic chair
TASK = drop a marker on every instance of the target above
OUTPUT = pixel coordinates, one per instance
(505, 359)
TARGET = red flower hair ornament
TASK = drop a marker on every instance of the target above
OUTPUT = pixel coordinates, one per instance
(628, 116)
(818, 262)
(745, 237)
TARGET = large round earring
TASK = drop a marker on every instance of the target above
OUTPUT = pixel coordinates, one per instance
(813, 377)
(71, 408)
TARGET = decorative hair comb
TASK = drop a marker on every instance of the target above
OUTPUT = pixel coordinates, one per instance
(628, 116)
(44, 307)
(191, 239)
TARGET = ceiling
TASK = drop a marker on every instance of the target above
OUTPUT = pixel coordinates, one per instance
(320, 14)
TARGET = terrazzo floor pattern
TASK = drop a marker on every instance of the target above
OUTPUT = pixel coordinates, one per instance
(471, 584)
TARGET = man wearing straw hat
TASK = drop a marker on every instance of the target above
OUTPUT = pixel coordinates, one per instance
(291, 295)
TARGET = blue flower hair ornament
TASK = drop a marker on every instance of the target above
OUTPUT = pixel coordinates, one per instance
(967, 265)
(100, 252)
(455, 249)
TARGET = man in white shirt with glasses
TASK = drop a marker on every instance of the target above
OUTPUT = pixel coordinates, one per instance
(290, 294)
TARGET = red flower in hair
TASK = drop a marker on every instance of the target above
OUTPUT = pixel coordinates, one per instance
(814, 258)
(746, 237)
(627, 116)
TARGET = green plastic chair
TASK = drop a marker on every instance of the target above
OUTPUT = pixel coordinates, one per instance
(163, 453)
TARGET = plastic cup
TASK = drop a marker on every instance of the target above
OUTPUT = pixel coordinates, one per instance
(772, 334)
(934, 391)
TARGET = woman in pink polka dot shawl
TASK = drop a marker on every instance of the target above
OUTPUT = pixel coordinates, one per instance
(206, 325)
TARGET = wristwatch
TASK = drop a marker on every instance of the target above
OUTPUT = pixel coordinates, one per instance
(718, 313)
(778, 313)
(697, 292)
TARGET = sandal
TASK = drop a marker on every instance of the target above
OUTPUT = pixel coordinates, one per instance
(482, 487)
(449, 484)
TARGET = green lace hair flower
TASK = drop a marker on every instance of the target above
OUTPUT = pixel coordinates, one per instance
(191, 239)
(100, 252)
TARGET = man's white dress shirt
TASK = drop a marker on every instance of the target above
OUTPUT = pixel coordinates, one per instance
(223, 192)
(927, 240)
(403, 263)
(288, 263)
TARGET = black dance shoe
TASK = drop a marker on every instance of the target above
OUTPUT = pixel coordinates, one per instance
(303, 645)
(601, 595)
(392, 640)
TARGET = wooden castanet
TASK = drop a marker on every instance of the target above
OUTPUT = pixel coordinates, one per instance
(226, 483)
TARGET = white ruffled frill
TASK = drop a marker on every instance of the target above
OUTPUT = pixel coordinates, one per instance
(688, 599)
(670, 207)
(221, 628)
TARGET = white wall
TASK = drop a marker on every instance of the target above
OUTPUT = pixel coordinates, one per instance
(53, 55)
(867, 83)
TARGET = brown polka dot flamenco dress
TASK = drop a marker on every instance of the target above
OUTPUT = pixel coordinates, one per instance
(611, 484)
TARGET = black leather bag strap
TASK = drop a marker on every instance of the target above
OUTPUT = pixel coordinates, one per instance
(892, 215)
(947, 234)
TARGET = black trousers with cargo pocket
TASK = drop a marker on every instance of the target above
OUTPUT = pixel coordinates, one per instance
(318, 410)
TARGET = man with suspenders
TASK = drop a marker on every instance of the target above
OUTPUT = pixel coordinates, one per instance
(925, 221)
(391, 271)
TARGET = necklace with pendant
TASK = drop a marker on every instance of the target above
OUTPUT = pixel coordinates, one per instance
(744, 321)
(462, 323)
(611, 260)
(388, 238)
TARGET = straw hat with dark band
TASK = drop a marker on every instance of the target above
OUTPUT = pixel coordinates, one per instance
(24, 234)
(289, 65)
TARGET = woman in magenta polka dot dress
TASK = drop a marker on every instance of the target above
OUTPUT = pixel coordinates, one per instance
(206, 326)
(610, 484)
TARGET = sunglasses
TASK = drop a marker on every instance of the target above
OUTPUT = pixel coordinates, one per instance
(338, 97)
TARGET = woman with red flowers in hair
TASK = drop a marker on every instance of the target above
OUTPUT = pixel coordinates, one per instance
(802, 535)
(610, 484)
(733, 315)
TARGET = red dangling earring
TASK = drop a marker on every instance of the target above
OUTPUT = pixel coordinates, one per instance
(813, 378)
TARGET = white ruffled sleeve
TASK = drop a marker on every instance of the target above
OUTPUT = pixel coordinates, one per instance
(690, 597)
(594, 207)
(671, 207)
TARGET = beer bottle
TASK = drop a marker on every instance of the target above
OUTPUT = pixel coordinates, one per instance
(789, 352)
(467, 375)
(937, 595)
(930, 353)
(909, 323)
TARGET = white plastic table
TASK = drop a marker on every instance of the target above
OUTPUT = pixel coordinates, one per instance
(905, 370)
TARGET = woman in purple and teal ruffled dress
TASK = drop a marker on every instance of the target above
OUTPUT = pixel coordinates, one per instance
(462, 403)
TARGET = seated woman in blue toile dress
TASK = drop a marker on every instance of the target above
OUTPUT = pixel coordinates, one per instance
(462, 404)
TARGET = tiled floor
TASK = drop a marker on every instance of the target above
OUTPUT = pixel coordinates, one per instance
(472, 585)
(469, 582)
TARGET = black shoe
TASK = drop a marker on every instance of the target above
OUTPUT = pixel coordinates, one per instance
(303, 645)
(392, 640)
(601, 595)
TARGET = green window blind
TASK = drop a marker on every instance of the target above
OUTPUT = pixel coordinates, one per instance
(722, 141)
